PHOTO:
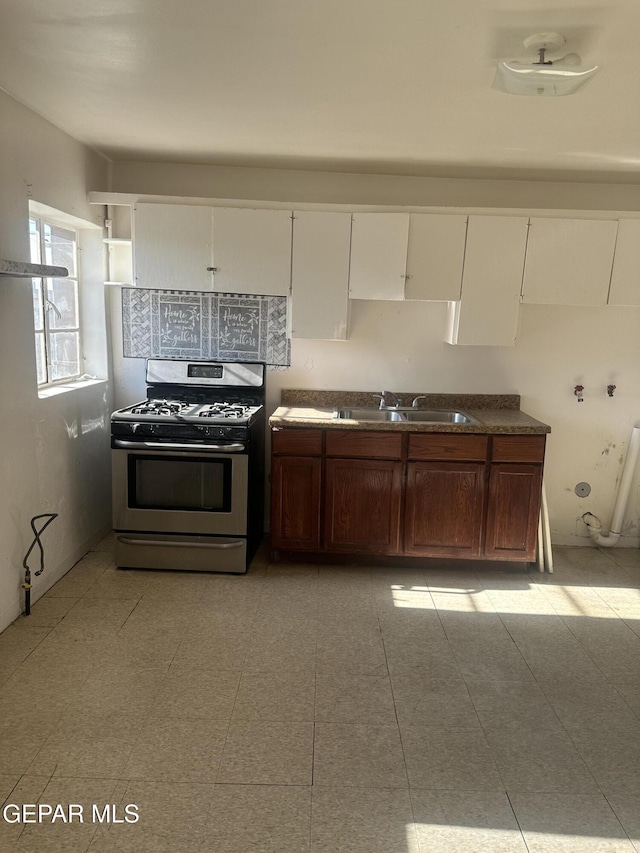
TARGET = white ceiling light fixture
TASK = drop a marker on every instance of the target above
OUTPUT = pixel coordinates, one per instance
(562, 76)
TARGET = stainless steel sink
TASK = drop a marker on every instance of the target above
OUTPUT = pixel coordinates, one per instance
(443, 416)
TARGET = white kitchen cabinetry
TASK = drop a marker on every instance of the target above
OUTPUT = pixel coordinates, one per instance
(569, 261)
(625, 278)
(229, 250)
(252, 251)
(320, 275)
(378, 255)
(435, 256)
(487, 313)
(172, 246)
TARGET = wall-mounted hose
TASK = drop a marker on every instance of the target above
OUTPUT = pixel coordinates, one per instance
(37, 533)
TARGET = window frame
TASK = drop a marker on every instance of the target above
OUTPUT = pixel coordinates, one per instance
(46, 305)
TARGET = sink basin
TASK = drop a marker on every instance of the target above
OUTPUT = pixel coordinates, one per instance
(423, 416)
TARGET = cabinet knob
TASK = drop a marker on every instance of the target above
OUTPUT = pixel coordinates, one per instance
(212, 269)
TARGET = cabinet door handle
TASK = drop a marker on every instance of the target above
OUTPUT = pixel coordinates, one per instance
(212, 269)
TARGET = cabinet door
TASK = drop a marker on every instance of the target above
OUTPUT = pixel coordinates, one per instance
(362, 506)
(435, 256)
(172, 246)
(252, 251)
(513, 511)
(320, 275)
(487, 313)
(569, 261)
(378, 255)
(444, 509)
(625, 278)
(295, 502)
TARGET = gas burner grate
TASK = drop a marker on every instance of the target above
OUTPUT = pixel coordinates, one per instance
(159, 407)
(225, 410)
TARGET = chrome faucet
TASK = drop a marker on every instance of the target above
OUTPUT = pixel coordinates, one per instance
(383, 400)
(414, 404)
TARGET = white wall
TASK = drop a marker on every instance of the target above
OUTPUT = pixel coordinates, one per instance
(54, 452)
(399, 346)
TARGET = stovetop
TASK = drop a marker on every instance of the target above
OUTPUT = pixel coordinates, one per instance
(163, 410)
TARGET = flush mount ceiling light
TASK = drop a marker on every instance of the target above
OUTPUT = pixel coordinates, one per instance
(562, 76)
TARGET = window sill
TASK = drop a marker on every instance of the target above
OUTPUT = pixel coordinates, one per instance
(65, 387)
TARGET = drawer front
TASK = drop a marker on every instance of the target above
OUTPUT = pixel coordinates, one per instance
(441, 446)
(361, 444)
(296, 442)
(518, 448)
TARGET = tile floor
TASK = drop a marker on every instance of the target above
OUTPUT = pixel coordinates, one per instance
(315, 709)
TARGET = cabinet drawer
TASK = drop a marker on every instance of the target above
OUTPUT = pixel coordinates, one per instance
(518, 448)
(369, 445)
(297, 442)
(448, 447)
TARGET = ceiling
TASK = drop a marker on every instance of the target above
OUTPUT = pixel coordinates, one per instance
(379, 86)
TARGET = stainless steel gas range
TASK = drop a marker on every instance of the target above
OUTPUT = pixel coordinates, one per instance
(188, 468)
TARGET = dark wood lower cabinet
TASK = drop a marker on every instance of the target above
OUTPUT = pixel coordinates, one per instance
(513, 510)
(444, 510)
(379, 493)
(295, 502)
(362, 506)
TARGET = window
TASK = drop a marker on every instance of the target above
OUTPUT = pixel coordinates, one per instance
(56, 310)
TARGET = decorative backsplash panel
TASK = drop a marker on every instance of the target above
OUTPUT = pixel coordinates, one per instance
(225, 326)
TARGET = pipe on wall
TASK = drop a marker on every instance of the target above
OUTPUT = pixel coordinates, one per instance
(608, 540)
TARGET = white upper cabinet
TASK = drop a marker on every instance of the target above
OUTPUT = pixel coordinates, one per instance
(172, 246)
(320, 275)
(378, 255)
(569, 261)
(435, 256)
(625, 278)
(252, 251)
(487, 313)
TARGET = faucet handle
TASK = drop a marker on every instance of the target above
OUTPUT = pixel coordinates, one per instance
(414, 404)
(381, 398)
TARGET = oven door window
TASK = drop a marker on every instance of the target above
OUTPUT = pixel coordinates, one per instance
(192, 484)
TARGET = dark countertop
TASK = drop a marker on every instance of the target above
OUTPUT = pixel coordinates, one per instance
(494, 413)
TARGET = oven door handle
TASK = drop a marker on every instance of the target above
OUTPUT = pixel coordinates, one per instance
(166, 445)
(238, 543)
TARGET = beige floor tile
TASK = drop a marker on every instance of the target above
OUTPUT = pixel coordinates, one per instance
(274, 653)
(560, 661)
(286, 696)
(119, 690)
(135, 652)
(92, 746)
(442, 758)
(26, 789)
(359, 653)
(197, 694)
(571, 823)
(211, 652)
(627, 809)
(118, 583)
(47, 612)
(358, 756)
(362, 820)
(76, 582)
(424, 701)
(584, 704)
(538, 760)
(431, 652)
(75, 835)
(465, 822)
(267, 753)
(265, 818)
(512, 704)
(491, 660)
(613, 756)
(401, 622)
(348, 698)
(177, 750)
(171, 818)
(110, 612)
(630, 692)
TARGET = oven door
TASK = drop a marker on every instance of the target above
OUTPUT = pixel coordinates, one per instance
(171, 488)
